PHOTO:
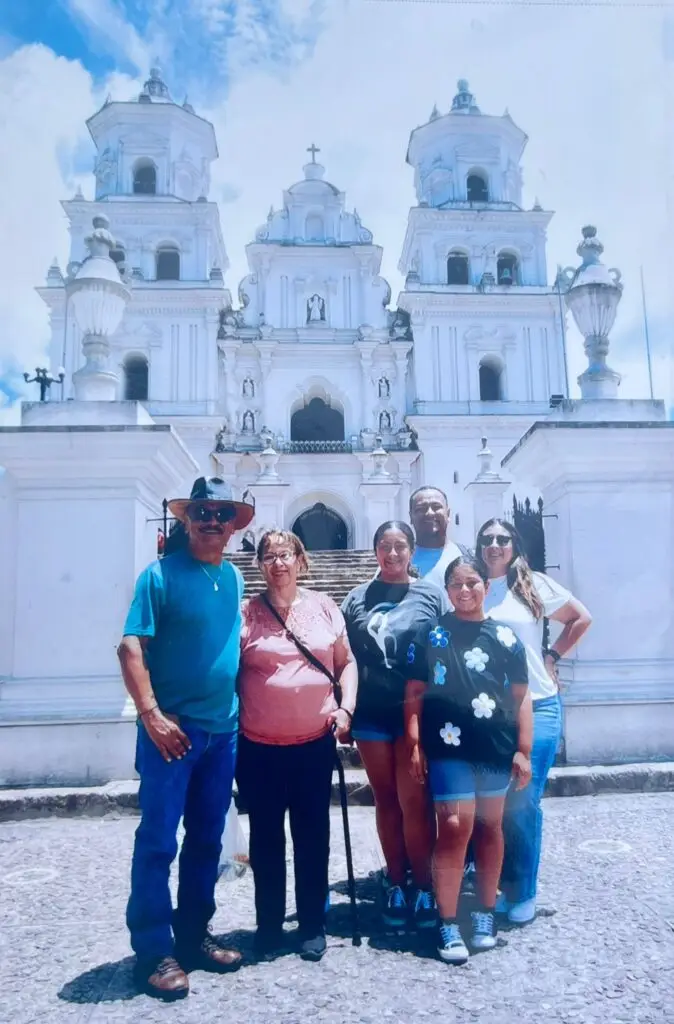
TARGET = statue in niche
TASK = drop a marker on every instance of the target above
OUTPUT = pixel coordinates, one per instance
(248, 422)
(248, 388)
(384, 422)
(106, 166)
(399, 325)
(384, 388)
(315, 309)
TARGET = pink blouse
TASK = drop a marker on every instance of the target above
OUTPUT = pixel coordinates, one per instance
(284, 699)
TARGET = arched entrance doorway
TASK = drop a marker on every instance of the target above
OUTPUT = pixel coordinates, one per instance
(317, 421)
(321, 529)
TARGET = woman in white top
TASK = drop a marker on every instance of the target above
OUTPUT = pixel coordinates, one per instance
(522, 599)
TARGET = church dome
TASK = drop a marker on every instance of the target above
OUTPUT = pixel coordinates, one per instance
(313, 184)
(313, 213)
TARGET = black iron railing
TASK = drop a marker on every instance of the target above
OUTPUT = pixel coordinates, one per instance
(309, 447)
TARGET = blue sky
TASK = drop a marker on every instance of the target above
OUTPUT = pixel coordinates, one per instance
(592, 87)
(204, 42)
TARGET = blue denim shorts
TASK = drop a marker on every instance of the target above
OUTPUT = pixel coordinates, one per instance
(384, 729)
(460, 780)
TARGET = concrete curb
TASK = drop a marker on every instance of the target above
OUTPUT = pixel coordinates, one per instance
(117, 798)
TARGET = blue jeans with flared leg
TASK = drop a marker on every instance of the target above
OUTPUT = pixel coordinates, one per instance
(198, 789)
(523, 817)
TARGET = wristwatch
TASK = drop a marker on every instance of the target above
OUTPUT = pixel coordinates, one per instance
(550, 652)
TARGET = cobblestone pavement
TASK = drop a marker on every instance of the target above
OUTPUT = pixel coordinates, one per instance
(601, 951)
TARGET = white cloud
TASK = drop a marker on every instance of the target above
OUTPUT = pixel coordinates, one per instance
(107, 26)
(44, 103)
(588, 85)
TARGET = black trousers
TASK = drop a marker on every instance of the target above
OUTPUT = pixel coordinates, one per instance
(272, 780)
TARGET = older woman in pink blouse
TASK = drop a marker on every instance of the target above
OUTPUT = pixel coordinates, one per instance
(290, 715)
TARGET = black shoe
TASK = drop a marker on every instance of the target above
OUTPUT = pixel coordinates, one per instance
(313, 948)
(269, 941)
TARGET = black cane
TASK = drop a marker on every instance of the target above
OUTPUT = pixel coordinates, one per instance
(356, 940)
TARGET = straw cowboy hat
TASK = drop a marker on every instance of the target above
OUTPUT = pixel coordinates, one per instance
(213, 489)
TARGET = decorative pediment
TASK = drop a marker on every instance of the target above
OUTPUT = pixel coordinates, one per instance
(499, 335)
(477, 149)
(145, 335)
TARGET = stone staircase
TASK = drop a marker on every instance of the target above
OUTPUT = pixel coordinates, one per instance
(331, 572)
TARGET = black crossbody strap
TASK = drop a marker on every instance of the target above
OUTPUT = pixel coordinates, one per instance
(311, 658)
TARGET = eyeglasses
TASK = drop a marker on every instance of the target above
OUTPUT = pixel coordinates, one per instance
(469, 584)
(502, 539)
(283, 556)
(202, 514)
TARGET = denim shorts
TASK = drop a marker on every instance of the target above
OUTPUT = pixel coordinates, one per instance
(384, 728)
(461, 780)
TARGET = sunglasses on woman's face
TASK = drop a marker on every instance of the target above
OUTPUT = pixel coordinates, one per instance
(202, 514)
(502, 539)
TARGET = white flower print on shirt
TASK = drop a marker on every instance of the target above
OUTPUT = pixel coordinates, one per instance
(450, 734)
(483, 706)
(476, 659)
(505, 636)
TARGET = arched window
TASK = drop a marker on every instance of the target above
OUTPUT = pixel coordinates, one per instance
(136, 378)
(317, 421)
(477, 189)
(458, 269)
(507, 269)
(313, 229)
(145, 178)
(491, 373)
(168, 263)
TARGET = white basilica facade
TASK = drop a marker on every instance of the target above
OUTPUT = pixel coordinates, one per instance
(297, 390)
(328, 402)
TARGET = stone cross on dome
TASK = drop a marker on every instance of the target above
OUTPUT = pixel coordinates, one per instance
(313, 149)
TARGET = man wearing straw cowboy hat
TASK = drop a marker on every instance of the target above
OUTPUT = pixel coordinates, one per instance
(179, 658)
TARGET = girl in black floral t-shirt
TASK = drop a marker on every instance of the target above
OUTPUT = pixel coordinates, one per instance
(468, 727)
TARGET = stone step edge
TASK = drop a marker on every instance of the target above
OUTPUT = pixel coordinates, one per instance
(122, 797)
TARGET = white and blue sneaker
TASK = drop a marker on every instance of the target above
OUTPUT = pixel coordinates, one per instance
(484, 930)
(522, 913)
(425, 910)
(452, 949)
(394, 912)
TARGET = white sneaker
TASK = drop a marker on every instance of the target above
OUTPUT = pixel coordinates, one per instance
(522, 913)
(452, 949)
(484, 930)
(502, 904)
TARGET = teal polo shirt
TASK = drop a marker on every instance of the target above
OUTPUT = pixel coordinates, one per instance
(194, 638)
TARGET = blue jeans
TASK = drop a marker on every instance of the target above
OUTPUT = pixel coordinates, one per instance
(523, 817)
(198, 789)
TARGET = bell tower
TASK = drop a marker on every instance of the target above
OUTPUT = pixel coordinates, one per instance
(488, 331)
(151, 172)
(486, 325)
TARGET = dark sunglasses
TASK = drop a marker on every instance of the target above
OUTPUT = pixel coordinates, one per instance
(201, 514)
(502, 539)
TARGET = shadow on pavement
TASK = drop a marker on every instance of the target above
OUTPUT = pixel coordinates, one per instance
(113, 982)
(107, 983)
